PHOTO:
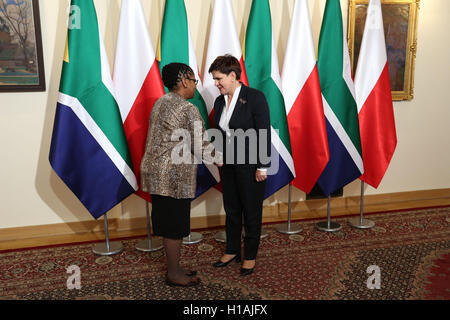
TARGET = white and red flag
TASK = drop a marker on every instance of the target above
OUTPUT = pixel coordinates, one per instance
(303, 99)
(137, 80)
(223, 39)
(374, 100)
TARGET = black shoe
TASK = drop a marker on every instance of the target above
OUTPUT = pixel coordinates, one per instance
(220, 264)
(189, 273)
(191, 283)
(246, 272)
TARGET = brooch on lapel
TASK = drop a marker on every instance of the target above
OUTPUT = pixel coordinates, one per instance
(242, 101)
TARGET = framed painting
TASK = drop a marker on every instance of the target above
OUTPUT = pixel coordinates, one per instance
(400, 28)
(21, 60)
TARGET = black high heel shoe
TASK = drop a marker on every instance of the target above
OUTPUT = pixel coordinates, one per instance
(189, 273)
(246, 272)
(220, 264)
(192, 282)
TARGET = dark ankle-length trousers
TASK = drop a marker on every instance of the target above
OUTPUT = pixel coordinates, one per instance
(243, 197)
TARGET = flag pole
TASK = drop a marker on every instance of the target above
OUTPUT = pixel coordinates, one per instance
(328, 226)
(193, 238)
(289, 229)
(360, 222)
(107, 249)
(149, 244)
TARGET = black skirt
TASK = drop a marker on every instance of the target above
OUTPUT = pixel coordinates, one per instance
(171, 217)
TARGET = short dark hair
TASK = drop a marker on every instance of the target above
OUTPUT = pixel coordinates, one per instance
(226, 64)
(173, 72)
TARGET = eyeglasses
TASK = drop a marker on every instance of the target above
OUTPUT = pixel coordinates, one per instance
(195, 80)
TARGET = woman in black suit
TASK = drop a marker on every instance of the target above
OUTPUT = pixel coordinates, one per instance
(246, 159)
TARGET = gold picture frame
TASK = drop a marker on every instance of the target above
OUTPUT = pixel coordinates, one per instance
(21, 58)
(400, 28)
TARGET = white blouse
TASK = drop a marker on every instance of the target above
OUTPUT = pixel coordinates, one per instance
(228, 111)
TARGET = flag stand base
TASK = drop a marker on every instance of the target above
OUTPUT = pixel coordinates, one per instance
(108, 248)
(289, 228)
(360, 222)
(364, 224)
(149, 244)
(264, 234)
(193, 238)
(103, 250)
(328, 227)
(220, 236)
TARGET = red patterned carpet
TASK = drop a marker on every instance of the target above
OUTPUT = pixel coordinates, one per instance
(411, 248)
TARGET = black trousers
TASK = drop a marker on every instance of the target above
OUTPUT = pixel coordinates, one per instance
(243, 198)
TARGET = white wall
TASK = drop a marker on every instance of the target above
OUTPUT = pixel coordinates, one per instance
(32, 194)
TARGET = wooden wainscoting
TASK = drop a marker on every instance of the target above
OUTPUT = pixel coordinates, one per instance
(73, 232)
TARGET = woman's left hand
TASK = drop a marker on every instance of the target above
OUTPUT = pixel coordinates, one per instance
(261, 175)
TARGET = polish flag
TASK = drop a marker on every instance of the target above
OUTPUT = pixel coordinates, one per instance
(137, 80)
(374, 100)
(223, 39)
(303, 99)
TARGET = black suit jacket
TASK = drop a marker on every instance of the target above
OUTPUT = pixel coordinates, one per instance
(251, 112)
